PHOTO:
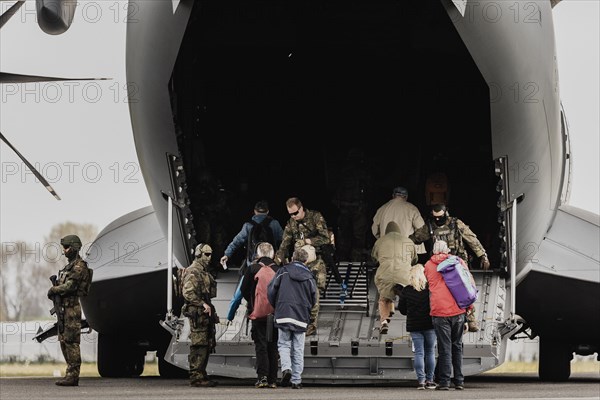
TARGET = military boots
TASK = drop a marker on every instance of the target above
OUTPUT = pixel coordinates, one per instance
(472, 323)
(203, 383)
(68, 381)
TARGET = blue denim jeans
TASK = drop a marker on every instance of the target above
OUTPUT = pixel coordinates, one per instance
(424, 364)
(236, 300)
(449, 331)
(291, 353)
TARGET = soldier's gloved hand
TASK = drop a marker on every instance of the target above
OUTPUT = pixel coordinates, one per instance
(51, 292)
(299, 244)
(484, 262)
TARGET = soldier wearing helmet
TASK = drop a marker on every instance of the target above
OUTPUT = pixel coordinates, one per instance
(73, 282)
(199, 287)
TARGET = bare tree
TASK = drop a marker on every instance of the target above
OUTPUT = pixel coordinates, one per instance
(3, 298)
(86, 232)
(25, 270)
(20, 261)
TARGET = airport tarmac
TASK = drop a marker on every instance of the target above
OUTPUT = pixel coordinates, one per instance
(583, 386)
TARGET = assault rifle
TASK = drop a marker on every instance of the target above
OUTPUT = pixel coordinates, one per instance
(59, 325)
(43, 334)
(57, 309)
(213, 320)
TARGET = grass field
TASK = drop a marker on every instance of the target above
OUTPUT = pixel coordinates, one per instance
(151, 369)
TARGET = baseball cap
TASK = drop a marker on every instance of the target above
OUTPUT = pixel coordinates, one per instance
(400, 191)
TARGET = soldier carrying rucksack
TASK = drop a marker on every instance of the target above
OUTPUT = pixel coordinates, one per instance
(260, 228)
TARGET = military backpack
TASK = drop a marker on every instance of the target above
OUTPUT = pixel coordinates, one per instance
(86, 280)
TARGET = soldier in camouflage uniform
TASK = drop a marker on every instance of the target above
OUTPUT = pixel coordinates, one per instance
(74, 280)
(452, 231)
(305, 227)
(199, 287)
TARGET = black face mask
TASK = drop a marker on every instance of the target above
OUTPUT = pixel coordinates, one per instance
(71, 254)
(439, 221)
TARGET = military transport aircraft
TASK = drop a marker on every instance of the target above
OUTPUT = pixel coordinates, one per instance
(238, 101)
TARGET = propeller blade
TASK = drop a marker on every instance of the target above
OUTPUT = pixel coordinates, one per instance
(6, 77)
(10, 12)
(31, 167)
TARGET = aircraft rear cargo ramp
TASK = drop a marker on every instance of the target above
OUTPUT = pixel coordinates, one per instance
(347, 347)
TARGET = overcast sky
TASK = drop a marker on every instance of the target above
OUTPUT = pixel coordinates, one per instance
(79, 134)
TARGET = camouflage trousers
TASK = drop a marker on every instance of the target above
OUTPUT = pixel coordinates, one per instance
(199, 349)
(198, 359)
(72, 355)
(319, 271)
(71, 336)
(471, 320)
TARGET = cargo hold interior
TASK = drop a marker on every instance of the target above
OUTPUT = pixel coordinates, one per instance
(298, 85)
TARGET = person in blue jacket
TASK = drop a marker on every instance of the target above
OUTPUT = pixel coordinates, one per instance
(292, 292)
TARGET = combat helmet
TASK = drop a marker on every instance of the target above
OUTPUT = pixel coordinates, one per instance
(202, 248)
(71, 240)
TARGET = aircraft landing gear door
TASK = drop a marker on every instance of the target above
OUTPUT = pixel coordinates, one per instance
(507, 217)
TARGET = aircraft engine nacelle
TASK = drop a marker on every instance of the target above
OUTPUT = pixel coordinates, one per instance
(55, 16)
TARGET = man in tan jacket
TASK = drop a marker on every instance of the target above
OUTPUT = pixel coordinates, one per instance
(399, 210)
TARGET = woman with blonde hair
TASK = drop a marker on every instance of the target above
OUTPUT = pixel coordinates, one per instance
(414, 303)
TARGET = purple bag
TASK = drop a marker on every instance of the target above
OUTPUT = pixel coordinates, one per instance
(459, 280)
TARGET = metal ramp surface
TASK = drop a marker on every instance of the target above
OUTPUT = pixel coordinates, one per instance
(356, 296)
(347, 347)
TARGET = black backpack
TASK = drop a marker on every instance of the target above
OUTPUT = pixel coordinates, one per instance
(259, 233)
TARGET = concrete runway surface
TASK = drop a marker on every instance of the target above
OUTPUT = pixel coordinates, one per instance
(583, 386)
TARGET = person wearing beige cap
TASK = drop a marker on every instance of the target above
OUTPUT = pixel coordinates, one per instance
(312, 255)
(395, 254)
(320, 278)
